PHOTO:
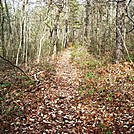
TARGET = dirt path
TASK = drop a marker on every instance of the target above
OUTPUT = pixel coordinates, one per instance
(63, 118)
(67, 74)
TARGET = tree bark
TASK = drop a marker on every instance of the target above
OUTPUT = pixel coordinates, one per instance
(120, 29)
(87, 18)
(2, 19)
(23, 31)
(55, 29)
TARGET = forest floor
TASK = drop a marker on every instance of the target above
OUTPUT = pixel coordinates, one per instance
(72, 95)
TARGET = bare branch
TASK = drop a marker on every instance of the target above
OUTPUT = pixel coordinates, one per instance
(130, 30)
(127, 14)
(14, 65)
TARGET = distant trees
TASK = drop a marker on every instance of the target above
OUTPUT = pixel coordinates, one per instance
(105, 22)
(23, 44)
(32, 30)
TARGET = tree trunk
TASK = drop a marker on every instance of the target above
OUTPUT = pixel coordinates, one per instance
(2, 19)
(120, 29)
(87, 18)
(23, 32)
(55, 29)
(8, 18)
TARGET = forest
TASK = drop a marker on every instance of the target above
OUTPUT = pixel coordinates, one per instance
(67, 66)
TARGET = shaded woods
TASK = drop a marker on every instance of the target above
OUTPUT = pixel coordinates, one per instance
(66, 66)
(32, 30)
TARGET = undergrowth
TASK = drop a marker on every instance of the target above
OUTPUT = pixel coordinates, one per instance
(107, 89)
(83, 59)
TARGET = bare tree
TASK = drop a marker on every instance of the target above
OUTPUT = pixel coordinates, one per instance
(120, 29)
(32, 30)
(23, 31)
(2, 20)
(56, 24)
(87, 18)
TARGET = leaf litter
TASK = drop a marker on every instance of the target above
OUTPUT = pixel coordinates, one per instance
(68, 100)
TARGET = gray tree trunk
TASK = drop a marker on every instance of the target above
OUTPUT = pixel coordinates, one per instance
(87, 18)
(120, 29)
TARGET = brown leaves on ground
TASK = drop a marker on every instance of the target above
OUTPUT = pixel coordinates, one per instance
(67, 100)
(106, 97)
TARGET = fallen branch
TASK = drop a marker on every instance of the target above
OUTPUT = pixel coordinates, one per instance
(14, 66)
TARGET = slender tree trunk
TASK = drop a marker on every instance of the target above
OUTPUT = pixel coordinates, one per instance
(8, 18)
(21, 43)
(87, 18)
(2, 20)
(55, 30)
(120, 29)
(66, 34)
(40, 48)
(25, 47)
(23, 32)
